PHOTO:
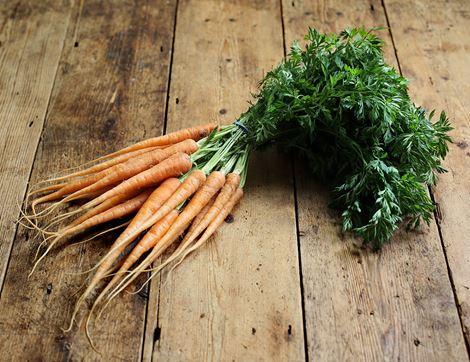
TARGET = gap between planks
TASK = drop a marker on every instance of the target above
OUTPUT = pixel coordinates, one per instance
(156, 331)
(296, 212)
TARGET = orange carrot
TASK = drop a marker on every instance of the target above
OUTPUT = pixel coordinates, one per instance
(154, 203)
(113, 201)
(116, 173)
(151, 206)
(46, 189)
(199, 218)
(101, 166)
(155, 233)
(229, 188)
(213, 184)
(68, 188)
(213, 226)
(175, 165)
(115, 212)
(195, 133)
(181, 193)
(126, 208)
(136, 165)
(187, 188)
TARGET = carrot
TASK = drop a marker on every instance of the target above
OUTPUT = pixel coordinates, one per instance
(137, 165)
(113, 201)
(105, 205)
(175, 165)
(45, 189)
(113, 213)
(181, 193)
(229, 188)
(213, 226)
(96, 210)
(115, 174)
(155, 233)
(98, 167)
(158, 197)
(213, 184)
(172, 166)
(65, 190)
(68, 188)
(199, 217)
(195, 133)
(150, 207)
(187, 188)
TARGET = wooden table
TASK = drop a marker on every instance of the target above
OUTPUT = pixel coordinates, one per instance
(82, 78)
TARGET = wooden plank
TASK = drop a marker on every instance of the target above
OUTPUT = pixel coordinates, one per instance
(31, 41)
(434, 51)
(393, 305)
(111, 90)
(239, 297)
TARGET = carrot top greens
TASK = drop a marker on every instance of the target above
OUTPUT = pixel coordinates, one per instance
(339, 106)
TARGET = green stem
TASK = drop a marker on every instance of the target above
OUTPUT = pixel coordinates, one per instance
(223, 152)
(241, 167)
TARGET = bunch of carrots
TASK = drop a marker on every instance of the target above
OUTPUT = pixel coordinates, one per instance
(335, 103)
(181, 184)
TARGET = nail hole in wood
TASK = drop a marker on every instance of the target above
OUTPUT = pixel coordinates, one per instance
(156, 334)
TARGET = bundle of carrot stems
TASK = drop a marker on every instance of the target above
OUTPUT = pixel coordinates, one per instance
(336, 103)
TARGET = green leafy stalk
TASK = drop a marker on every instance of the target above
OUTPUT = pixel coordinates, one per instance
(348, 114)
(340, 107)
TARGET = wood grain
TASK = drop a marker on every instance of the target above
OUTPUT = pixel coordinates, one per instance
(434, 52)
(393, 305)
(238, 298)
(31, 41)
(110, 91)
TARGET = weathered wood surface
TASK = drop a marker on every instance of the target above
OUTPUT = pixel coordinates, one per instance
(433, 46)
(393, 305)
(110, 91)
(239, 297)
(31, 40)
